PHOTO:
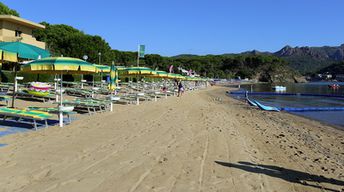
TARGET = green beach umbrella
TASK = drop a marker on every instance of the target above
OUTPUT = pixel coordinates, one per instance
(102, 68)
(171, 76)
(160, 74)
(59, 65)
(175, 76)
(113, 77)
(24, 50)
(129, 71)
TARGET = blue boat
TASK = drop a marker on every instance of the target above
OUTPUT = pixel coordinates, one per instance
(266, 108)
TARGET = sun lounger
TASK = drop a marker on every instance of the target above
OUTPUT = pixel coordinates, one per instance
(24, 114)
(53, 110)
(79, 92)
(91, 105)
(25, 94)
(5, 98)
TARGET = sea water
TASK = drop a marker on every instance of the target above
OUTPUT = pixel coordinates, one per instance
(330, 117)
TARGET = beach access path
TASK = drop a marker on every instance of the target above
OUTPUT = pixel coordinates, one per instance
(202, 141)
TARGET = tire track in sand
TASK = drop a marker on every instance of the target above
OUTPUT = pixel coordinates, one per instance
(204, 156)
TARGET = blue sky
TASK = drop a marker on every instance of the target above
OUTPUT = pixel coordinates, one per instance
(171, 27)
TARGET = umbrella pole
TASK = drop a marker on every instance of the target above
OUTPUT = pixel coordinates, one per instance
(101, 79)
(55, 82)
(14, 85)
(92, 86)
(111, 104)
(60, 108)
(56, 85)
(82, 83)
(92, 80)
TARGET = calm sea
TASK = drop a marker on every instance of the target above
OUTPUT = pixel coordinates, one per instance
(330, 117)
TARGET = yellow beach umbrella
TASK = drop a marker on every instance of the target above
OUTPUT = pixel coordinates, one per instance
(135, 71)
(59, 65)
(159, 74)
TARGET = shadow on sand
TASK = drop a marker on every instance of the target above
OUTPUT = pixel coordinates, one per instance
(289, 175)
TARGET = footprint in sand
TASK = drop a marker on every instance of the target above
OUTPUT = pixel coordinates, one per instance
(44, 173)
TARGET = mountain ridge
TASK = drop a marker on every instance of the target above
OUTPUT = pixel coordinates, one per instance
(304, 59)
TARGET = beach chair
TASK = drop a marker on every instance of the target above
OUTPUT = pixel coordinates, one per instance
(26, 94)
(90, 105)
(5, 98)
(103, 104)
(53, 110)
(19, 114)
(79, 92)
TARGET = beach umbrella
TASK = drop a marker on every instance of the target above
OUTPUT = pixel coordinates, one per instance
(135, 71)
(23, 51)
(179, 76)
(175, 76)
(113, 82)
(102, 68)
(160, 74)
(59, 65)
(113, 78)
(171, 76)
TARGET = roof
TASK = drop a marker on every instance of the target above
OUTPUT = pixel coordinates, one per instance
(18, 20)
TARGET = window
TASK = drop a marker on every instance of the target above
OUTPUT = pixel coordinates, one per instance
(18, 33)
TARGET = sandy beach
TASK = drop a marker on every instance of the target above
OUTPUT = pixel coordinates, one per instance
(203, 141)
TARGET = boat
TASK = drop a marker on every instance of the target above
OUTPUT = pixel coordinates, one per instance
(279, 88)
(334, 86)
(266, 108)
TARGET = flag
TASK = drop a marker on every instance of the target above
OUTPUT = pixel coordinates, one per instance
(142, 49)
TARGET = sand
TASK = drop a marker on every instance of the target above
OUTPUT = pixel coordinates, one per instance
(203, 141)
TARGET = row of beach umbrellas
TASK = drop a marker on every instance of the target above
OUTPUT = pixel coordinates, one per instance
(44, 64)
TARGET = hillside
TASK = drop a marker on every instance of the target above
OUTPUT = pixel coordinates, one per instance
(305, 59)
(311, 59)
(334, 69)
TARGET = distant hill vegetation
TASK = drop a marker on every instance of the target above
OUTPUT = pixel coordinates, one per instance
(334, 69)
(306, 59)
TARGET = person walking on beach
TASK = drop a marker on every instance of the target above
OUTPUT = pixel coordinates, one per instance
(180, 89)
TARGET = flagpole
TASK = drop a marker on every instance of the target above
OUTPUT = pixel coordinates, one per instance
(138, 55)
